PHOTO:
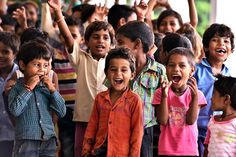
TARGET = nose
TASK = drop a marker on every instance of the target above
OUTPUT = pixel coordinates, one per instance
(221, 41)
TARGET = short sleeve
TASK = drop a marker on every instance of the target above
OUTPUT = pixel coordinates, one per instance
(201, 99)
(208, 134)
(157, 97)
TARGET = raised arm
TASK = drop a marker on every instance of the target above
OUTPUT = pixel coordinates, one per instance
(193, 13)
(64, 30)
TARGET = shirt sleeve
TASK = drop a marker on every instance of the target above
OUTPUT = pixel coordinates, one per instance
(208, 134)
(58, 104)
(201, 99)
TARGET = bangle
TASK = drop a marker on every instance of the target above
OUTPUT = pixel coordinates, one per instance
(27, 87)
(60, 19)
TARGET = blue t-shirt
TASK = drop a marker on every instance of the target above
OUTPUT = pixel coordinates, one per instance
(205, 81)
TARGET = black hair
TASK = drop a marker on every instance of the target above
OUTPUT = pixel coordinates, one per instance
(166, 13)
(7, 19)
(138, 30)
(122, 53)
(117, 11)
(217, 29)
(87, 12)
(33, 33)
(226, 85)
(173, 40)
(97, 26)
(184, 52)
(158, 42)
(34, 49)
(11, 40)
(13, 7)
(72, 21)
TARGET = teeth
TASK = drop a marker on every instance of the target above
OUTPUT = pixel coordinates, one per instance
(220, 51)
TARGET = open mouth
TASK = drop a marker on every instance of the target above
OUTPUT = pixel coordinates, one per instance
(100, 47)
(221, 51)
(118, 81)
(176, 78)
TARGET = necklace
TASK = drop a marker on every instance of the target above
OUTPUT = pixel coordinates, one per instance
(228, 115)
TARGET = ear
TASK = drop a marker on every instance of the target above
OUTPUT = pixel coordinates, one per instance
(22, 65)
(121, 22)
(227, 99)
(132, 75)
(138, 44)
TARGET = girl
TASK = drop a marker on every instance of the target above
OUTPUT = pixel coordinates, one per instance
(178, 103)
(221, 138)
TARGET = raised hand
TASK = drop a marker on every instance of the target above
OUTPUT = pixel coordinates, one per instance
(192, 83)
(141, 9)
(101, 12)
(20, 16)
(48, 83)
(55, 4)
(165, 85)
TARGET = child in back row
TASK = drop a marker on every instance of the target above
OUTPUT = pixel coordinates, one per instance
(178, 103)
(218, 43)
(115, 127)
(88, 65)
(221, 139)
(31, 101)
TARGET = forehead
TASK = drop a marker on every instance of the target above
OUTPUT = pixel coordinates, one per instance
(178, 58)
(101, 32)
(119, 62)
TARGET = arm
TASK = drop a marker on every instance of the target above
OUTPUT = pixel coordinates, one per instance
(193, 13)
(20, 16)
(205, 154)
(192, 113)
(56, 5)
(162, 109)
(136, 128)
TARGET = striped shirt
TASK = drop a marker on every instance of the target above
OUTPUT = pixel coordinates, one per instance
(66, 77)
(145, 85)
(32, 111)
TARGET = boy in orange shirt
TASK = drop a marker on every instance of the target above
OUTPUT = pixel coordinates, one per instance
(115, 127)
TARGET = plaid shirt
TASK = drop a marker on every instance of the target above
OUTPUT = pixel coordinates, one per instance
(145, 85)
(32, 110)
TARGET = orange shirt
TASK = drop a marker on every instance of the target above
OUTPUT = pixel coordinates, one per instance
(121, 124)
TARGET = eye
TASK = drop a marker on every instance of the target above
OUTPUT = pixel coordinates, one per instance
(106, 37)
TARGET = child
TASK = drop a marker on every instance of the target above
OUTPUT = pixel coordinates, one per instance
(115, 127)
(148, 73)
(9, 45)
(178, 103)
(221, 138)
(88, 65)
(31, 101)
(218, 43)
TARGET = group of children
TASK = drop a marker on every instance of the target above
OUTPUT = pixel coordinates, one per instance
(119, 93)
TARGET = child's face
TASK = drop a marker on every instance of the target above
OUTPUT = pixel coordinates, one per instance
(125, 42)
(217, 101)
(31, 13)
(169, 24)
(99, 43)
(219, 48)
(38, 67)
(75, 33)
(179, 70)
(119, 74)
(6, 56)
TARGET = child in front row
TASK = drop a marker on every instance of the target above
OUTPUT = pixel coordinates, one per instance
(31, 101)
(221, 139)
(115, 127)
(178, 103)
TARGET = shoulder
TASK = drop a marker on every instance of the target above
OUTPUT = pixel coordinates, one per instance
(155, 66)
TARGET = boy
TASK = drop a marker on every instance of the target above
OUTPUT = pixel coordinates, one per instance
(9, 45)
(115, 127)
(31, 101)
(218, 43)
(148, 73)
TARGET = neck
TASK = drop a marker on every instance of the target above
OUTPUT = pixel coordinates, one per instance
(179, 91)
(226, 116)
(216, 66)
(140, 63)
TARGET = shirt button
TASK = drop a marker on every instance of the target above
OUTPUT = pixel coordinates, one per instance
(38, 104)
(4, 112)
(40, 121)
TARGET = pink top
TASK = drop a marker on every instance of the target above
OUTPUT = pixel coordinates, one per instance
(221, 138)
(177, 137)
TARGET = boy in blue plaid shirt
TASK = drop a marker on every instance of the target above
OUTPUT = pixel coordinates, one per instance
(32, 101)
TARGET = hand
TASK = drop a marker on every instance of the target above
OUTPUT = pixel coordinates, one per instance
(165, 85)
(48, 83)
(32, 82)
(192, 83)
(141, 9)
(9, 85)
(162, 3)
(20, 15)
(55, 4)
(100, 12)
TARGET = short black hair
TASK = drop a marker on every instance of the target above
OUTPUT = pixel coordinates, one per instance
(226, 85)
(34, 49)
(11, 40)
(7, 19)
(122, 53)
(72, 21)
(138, 30)
(217, 29)
(116, 12)
(184, 52)
(97, 26)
